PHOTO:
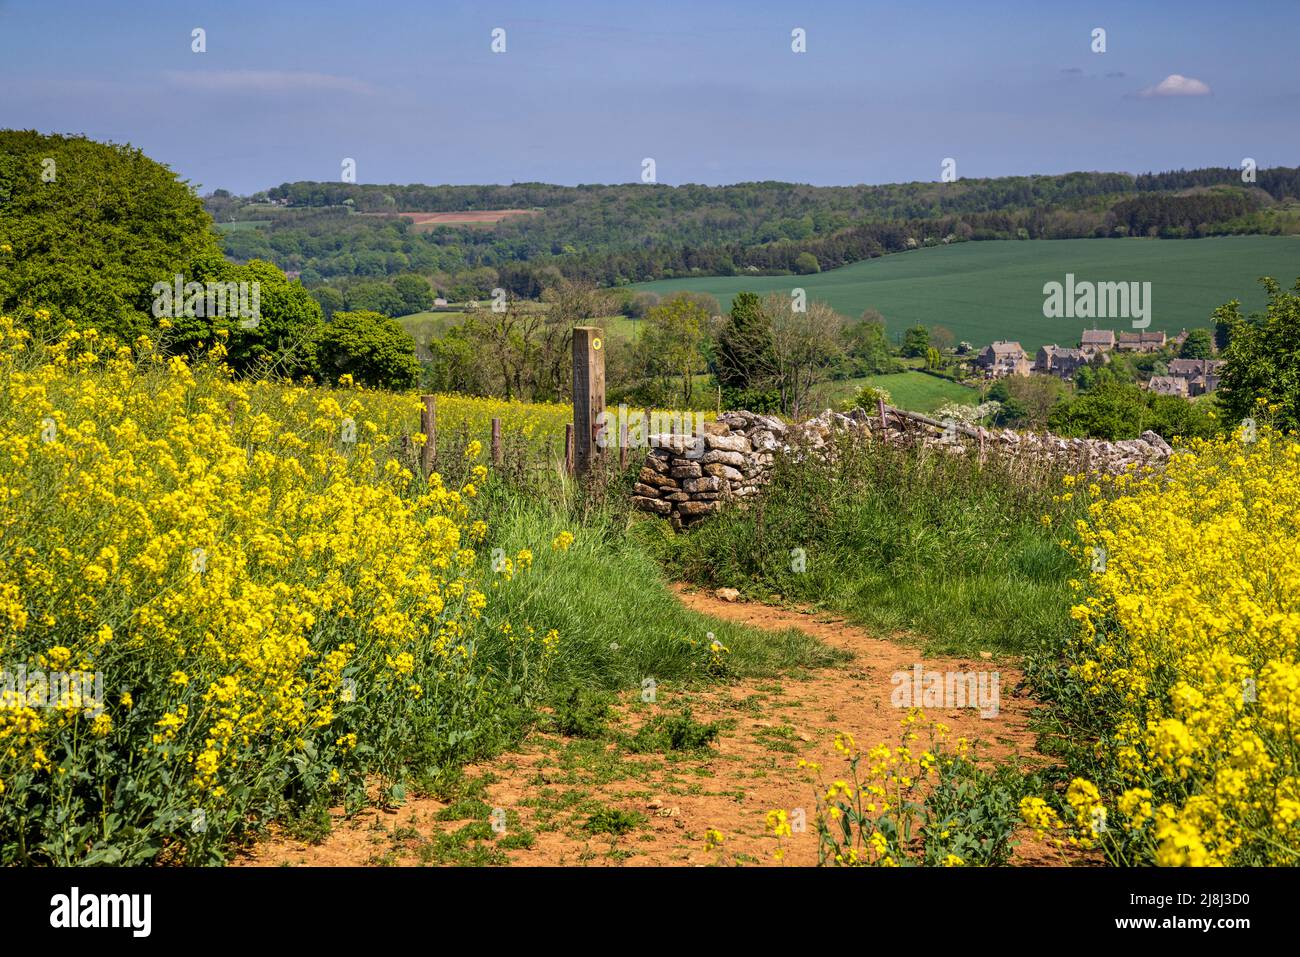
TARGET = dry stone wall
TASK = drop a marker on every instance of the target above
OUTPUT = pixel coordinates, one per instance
(685, 477)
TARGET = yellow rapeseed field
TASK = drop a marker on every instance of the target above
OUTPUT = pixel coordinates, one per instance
(1190, 623)
(216, 598)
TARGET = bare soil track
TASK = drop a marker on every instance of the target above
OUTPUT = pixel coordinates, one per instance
(551, 786)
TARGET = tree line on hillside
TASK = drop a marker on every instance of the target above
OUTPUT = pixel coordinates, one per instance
(1156, 214)
(765, 201)
(613, 235)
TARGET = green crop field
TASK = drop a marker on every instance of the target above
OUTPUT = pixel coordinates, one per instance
(907, 390)
(427, 326)
(994, 290)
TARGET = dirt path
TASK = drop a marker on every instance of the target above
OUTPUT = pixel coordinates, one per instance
(551, 787)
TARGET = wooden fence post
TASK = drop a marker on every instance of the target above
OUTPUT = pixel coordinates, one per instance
(429, 426)
(588, 393)
(884, 423)
(496, 441)
(622, 443)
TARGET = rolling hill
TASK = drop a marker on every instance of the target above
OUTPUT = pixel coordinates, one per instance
(994, 290)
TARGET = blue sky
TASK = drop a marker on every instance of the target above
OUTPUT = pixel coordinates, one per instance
(711, 90)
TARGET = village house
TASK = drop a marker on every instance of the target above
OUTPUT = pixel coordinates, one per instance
(1003, 358)
(1140, 341)
(1094, 341)
(1058, 361)
(1201, 375)
(1168, 385)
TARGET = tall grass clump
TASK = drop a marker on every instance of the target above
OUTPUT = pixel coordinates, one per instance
(605, 594)
(900, 538)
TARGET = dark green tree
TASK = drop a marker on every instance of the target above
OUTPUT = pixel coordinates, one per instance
(378, 297)
(279, 339)
(90, 228)
(916, 340)
(806, 263)
(416, 293)
(744, 344)
(374, 349)
(1199, 344)
(1111, 410)
(1261, 368)
(330, 299)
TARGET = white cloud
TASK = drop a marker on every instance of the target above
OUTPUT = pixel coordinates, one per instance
(1175, 84)
(265, 81)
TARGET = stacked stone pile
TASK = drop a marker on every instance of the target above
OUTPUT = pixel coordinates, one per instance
(684, 477)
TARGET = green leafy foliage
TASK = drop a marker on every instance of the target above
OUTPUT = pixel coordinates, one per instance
(89, 228)
(583, 714)
(674, 732)
(1116, 410)
(1199, 344)
(1262, 361)
(373, 349)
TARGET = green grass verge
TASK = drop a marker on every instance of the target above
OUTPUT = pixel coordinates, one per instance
(618, 623)
(926, 544)
(909, 390)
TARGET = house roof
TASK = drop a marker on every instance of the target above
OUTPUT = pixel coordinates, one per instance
(1194, 367)
(1004, 348)
(1098, 337)
(1167, 385)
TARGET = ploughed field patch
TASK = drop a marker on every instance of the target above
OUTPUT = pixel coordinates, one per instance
(422, 221)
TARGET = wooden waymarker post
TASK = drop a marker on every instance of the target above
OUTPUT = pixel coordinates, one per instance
(588, 393)
(496, 441)
(429, 426)
(568, 448)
